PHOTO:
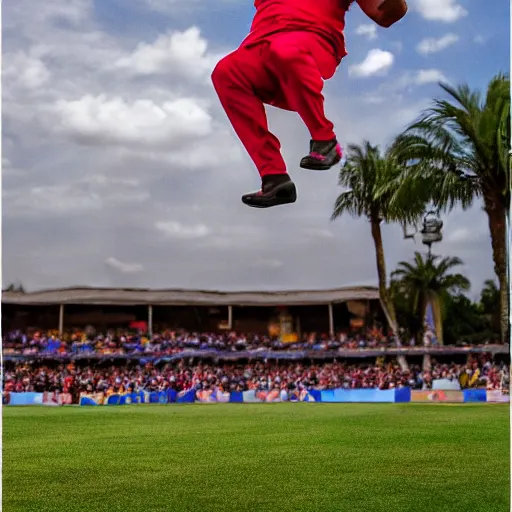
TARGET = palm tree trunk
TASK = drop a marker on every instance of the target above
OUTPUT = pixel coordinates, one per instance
(422, 310)
(438, 319)
(497, 226)
(389, 308)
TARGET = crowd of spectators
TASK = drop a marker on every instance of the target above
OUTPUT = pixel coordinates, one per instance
(183, 375)
(259, 376)
(172, 342)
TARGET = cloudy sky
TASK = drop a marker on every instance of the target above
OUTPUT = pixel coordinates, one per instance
(120, 168)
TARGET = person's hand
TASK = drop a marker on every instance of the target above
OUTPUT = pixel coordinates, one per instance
(392, 11)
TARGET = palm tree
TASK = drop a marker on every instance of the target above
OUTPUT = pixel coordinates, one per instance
(489, 296)
(364, 175)
(15, 288)
(490, 303)
(428, 281)
(458, 151)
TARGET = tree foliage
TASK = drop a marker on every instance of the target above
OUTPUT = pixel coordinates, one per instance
(365, 173)
(459, 151)
(428, 281)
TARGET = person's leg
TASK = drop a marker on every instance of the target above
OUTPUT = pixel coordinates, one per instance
(236, 79)
(300, 61)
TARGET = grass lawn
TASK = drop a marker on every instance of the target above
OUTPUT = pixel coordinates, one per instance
(257, 457)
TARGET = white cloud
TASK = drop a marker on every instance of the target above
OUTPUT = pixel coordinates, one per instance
(25, 70)
(326, 234)
(9, 170)
(125, 268)
(164, 6)
(177, 53)
(429, 76)
(57, 200)
(136, 172)
(175, 229)
(87, 195)
(173, 7)
(404, 82)
(269, 263)
(459, 235)
(142, 123)
(447, 11)
(73, 12)
(433, 45)
(369, 31)
(104, 181)
(376, 62)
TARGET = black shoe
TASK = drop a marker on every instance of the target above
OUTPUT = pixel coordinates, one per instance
(276, 189)
(322, 155)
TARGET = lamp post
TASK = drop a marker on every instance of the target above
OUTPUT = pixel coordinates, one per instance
(431, 231)
(430, 234)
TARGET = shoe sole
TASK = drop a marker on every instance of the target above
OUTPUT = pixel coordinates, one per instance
(283, 194)
(320, 166)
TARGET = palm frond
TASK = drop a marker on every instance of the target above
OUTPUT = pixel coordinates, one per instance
(371, 178)
(347, 203)
(459, 148)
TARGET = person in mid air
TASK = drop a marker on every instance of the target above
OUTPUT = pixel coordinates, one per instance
(293, 46)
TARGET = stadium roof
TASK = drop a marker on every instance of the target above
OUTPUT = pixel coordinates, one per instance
(133, 297)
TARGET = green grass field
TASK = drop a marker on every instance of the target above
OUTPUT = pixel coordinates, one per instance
(268, 457)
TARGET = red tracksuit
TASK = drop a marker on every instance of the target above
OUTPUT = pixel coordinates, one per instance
(292, 47)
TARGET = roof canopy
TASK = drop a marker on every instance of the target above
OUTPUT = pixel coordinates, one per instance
(134, 297)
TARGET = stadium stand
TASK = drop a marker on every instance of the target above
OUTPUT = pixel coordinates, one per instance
(124, 353)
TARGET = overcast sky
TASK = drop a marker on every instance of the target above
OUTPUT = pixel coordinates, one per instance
(120, 168)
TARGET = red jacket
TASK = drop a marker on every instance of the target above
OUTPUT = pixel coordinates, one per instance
(324, 17)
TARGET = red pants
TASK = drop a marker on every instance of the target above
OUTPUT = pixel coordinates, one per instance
(287, 71)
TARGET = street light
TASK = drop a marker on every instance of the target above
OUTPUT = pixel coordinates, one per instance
(431, 232)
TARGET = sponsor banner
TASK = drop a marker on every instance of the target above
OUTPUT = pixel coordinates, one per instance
(236, 397)
(209, 396)
(437, 396)
(497, 396)
(358, 396)
(158, 397)
(316, 395)
(403, 395)
(297, 396)
(112, 399)
(475, 395)
(86, 401)
(22, 398)
(92, 398)
(142, 397)
(46, 398)
(212, 396)
(186, 397)
(55, 398)
(254, 396)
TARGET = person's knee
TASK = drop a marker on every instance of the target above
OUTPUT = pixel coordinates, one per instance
(222, 73)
